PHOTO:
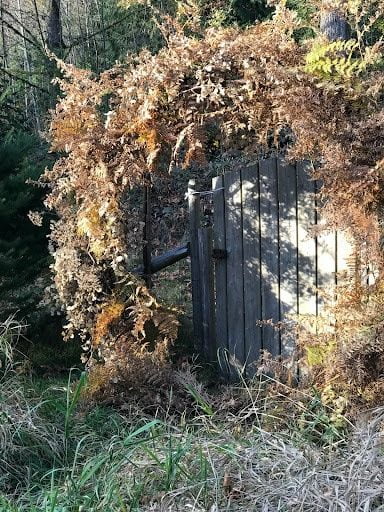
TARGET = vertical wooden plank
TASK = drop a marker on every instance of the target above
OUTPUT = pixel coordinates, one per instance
(269, 228)
(288, 252)
(194, 225)
(326, 271)
(207, 292)
(306, 220)
(221, 326)
(235, 296)
(251, 268)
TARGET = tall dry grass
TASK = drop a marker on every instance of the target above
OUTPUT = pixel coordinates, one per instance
(28, 442)
(242, 450)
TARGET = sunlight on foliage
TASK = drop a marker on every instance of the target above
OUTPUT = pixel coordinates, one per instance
(334, 60)
(340, 60)
(109, 313)
(249, 91)
(317, 354)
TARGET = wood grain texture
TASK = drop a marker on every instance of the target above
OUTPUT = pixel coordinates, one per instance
(270, 268)
(288, 247)
(207, 293)
(194, 225)
(219, 242)
(306, 216)
(251, 266)
(326, 271)
(235, 282)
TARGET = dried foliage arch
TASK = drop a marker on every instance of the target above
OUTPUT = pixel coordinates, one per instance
(251, 90)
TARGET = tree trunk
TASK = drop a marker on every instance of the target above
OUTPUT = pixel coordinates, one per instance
(29, 96)
(334, 25)
(55, 33)
(38, 21)
(3, 36)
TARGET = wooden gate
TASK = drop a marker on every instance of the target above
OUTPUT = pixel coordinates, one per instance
(261, 262)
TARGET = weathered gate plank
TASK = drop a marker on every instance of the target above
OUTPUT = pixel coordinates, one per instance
(269, 227)
(194, 225)
(220, 271)
(252, 268)
(306, 216)
(326, 269)
(287, 191)
(207, 292)
(235, 290)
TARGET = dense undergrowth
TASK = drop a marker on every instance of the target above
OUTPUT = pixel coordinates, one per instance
(246, 447)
